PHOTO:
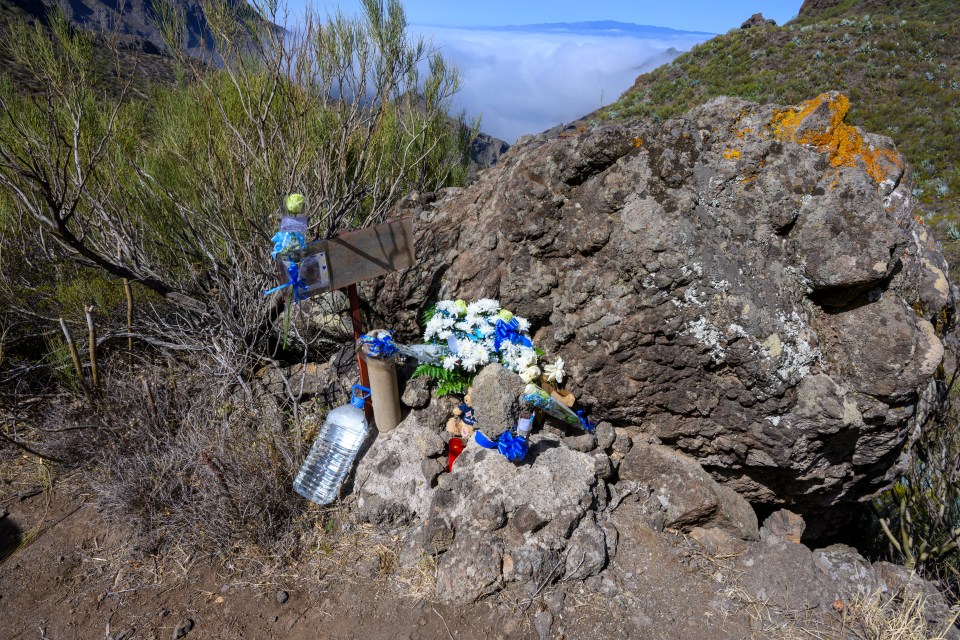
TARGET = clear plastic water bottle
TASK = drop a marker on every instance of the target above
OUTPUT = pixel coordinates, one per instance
(334, 450)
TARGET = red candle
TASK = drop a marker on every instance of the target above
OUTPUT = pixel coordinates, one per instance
(454, 451)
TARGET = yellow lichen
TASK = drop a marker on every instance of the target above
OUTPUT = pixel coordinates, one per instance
(637, 142)
(731, 154)
(842, 141)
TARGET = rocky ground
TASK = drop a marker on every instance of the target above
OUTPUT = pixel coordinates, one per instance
(646, 562)
(747, 298)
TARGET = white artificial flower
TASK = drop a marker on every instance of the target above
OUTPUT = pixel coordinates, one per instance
(526, 358)
(447, 306)
(472, 354)
(555, 371)
(483, 307)
(434, 326)
(449, 362)
(530, 374)
(522, 323)
(444, 334)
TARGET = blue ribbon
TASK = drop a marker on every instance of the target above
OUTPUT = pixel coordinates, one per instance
(588, 426)
(513, 448)
(379, 347)
(483, 440)
(509, 332)
(296, 283)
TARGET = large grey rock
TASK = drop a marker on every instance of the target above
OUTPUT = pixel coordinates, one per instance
(470, 570)
(586, 552)
(746, 281)
(496, 399)
(786, 576)
(689, 495)
(851, 574)
(390, 482)
(530, 511)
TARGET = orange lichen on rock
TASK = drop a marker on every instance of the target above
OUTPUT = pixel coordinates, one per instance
(637, 143)
(731, 154)
(820, 123)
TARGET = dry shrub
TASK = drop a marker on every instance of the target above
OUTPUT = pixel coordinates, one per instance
(189, 463)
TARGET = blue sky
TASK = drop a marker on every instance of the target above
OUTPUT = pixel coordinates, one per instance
(529, 81)
(692, 15)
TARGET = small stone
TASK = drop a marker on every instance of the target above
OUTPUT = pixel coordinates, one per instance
(582, 443)
(542, 623)
(783, 525)
(163, 613)
(431, 468)
(622, 444)
(554, 602)
(586, 553)
(282, 596)
(417, 393)
(274, 618)
(183, 628)
(605, 435)
(603, 466)
(489, 514)
(368, 566)
(527, 520)
(126, 634)
(429, 444)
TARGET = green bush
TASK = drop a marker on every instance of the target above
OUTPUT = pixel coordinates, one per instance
(180, 193)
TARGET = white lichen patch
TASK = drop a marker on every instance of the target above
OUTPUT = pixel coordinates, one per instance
(720, 285)
(695, 268)
(709, 336)
(690, 297)
(797, 355)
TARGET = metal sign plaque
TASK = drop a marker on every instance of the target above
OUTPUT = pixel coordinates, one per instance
(355, 256)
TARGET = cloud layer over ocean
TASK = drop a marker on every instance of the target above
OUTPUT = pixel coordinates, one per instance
(528, 79)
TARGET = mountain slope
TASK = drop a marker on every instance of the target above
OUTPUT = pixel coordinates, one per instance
(898, 62)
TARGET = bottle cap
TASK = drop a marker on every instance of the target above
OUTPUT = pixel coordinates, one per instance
(357, 395)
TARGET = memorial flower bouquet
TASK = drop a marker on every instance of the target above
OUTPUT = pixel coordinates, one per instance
(468, 336)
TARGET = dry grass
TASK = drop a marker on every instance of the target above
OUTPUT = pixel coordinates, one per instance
(879, 616)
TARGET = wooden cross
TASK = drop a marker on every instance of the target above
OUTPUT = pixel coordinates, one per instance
(352, 257)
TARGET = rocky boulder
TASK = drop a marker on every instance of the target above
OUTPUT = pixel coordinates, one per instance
(748, 283)
(757, 20)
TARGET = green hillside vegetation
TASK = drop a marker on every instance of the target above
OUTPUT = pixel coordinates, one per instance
(176, 184)
(898, 63)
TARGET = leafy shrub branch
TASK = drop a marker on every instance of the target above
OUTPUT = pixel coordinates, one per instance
(179, 193)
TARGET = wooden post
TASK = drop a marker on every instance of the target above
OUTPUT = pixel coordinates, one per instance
(92, 336)
(357, 332)
(74, 355)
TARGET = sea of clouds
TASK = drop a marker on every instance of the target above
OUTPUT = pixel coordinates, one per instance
(528, 81)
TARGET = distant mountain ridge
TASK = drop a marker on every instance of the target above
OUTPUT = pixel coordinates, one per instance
(596, 27)
(137, 19)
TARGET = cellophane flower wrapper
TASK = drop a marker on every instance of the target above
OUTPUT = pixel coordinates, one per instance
(536, 397)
